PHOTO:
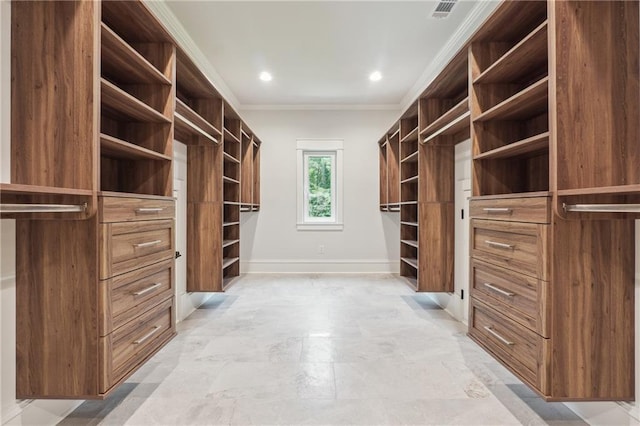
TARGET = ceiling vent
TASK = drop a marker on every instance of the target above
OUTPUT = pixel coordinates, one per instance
(443, 9)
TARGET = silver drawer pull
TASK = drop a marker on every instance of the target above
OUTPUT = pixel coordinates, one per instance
(146, 336)
(505, 210)
(501, 245)
(147, 244)
(499, 337)
(498, 289)
(147, 290)
(149, 209)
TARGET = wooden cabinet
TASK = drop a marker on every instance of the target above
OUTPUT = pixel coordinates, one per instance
(548, 93)
(543, 305)
(95, 111)
(428, 132)
(94, 290)
(250, 171)
(223, 177)
(389, 147)
(546, 289)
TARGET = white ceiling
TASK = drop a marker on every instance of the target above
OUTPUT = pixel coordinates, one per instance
(319, 52)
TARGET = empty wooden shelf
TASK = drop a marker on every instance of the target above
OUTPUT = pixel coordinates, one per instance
(529, 54)
(529, 145)
(121, 61)
(121, 104)
(529, 102)
(113, 147)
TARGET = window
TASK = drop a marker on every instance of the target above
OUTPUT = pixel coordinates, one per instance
(319, 185)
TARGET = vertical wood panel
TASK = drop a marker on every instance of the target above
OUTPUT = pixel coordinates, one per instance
(54, 102)
(56, 308)
(592, 307)
(597, 113)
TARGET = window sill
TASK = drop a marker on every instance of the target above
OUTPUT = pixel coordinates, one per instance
(320, 226)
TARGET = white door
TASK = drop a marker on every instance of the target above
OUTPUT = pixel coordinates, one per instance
(180, 194)
(462, 194)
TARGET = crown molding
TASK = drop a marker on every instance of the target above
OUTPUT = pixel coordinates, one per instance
(182, 37)
(320, 107)
(476, 17)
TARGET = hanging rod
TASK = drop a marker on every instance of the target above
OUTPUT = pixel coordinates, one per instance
(602, 208)
(43, 208)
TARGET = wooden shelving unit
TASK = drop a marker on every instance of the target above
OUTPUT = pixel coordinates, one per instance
(548, 129)
(510, 107)
(389, 172)
(393, 167)
(250, 170)
(383, 166)
(409, 134)
(233, 182)
(100, 135)
(94, 118)
(255, 197)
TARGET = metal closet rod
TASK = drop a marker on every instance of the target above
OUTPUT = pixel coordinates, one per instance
(602, 208)
(43, 208)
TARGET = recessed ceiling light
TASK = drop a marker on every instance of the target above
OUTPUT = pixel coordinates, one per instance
(375, 76)
(265, 76)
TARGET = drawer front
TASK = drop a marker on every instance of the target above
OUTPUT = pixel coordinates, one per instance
(129, 246)
(131, 345)
(122, 298)
(520, 349)
(521, 247)
(532, 210)
(520, 297)
(125, 209)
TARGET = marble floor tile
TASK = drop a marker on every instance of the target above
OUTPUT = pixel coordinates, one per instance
(321, 350)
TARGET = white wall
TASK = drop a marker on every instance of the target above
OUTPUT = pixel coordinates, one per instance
(269, 239)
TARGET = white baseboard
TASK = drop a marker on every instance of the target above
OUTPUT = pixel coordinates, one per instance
(41, 412)
(320, 266)
(603, 413)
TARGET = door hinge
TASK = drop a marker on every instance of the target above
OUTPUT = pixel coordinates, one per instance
(461, 294)
(462, 214)
(178, 254)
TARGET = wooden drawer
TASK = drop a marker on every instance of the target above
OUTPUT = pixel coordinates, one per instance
(521, 247)
(532, 209)
(520, 297)
(122, 298)
(132, 245)
(131, 345)
(126, 209)
(518, 348)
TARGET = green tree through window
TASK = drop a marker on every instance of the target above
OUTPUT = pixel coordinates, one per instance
(319, 178)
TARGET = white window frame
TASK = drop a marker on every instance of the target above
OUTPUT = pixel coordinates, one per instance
(310, 147)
